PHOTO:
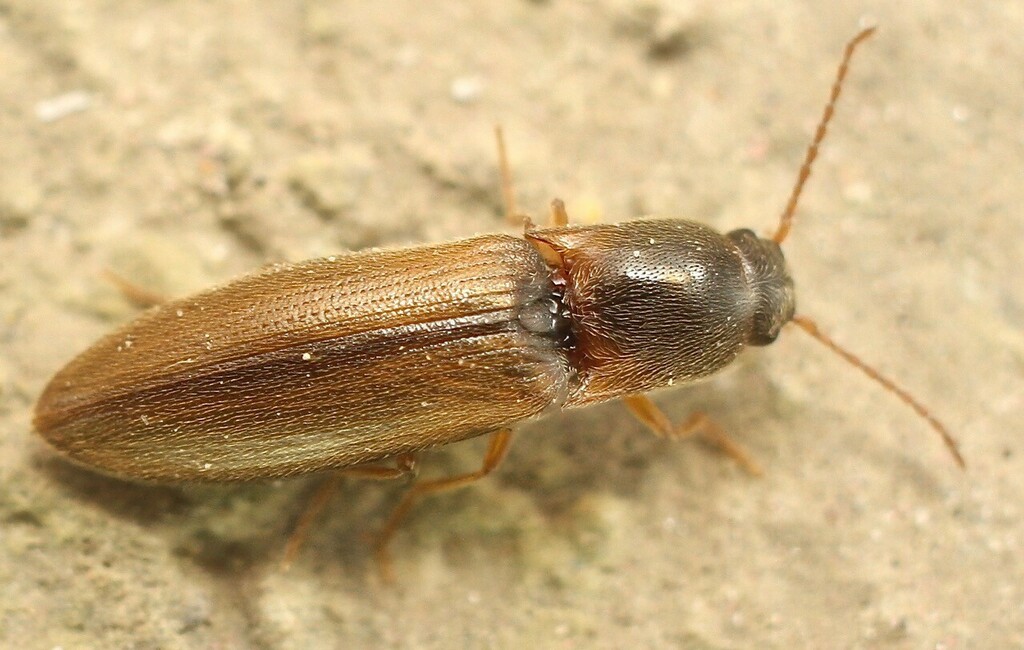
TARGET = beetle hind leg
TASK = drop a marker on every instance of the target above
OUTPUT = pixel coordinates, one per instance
(698, 424)
(135, 293)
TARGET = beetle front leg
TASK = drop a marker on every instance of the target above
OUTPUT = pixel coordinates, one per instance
(698, 424)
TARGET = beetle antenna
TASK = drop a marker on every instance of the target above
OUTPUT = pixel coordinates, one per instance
(808, 325)
(786, 220)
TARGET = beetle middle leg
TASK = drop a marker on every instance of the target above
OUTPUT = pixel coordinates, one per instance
(698, 424)
(405, 465)
(497, 449)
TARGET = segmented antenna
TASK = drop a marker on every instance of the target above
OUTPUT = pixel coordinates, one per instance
(807, 325)
(786, 220)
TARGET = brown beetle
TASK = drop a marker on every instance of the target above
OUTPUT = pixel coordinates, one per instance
(347, 361)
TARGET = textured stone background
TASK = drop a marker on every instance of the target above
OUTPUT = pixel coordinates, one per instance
(184, 143)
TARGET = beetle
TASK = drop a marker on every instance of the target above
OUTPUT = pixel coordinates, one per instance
(344, 362)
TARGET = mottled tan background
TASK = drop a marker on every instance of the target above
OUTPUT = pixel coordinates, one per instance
(182, 143)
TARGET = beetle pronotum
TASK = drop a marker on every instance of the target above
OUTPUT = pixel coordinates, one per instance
(343, 362)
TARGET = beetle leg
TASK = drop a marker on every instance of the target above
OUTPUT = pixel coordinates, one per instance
(508, 193)
(698, 424)
(559, 217)
(405, 465)
(498, 447)
(137, 295)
